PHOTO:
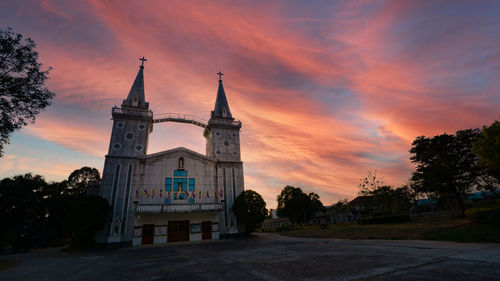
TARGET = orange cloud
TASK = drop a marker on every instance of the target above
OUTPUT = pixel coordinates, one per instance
(324, 92)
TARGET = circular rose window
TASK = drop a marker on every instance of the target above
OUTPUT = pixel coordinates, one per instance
(120, 124)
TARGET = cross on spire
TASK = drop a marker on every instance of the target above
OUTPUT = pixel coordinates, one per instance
(143, 60)
(220, 75)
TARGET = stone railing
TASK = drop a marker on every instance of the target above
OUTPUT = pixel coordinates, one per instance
(177, 208)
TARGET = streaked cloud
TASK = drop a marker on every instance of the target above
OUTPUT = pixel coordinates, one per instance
(325, 91)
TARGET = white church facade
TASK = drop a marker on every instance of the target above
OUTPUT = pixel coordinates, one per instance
(173, 195)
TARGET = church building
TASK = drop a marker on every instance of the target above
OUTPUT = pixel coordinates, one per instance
(177, 194)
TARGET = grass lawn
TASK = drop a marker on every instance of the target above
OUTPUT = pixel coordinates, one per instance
(442, 228)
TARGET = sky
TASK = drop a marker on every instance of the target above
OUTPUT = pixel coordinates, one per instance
(325, 90)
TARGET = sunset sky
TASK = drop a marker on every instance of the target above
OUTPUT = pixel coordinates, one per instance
(326, 90)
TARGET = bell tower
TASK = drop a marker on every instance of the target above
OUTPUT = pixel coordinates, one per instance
(222, 135)
(223, 132)
(132, 122)
(132, 125)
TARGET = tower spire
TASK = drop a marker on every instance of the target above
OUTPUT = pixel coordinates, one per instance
(136, 97)
(221, 108)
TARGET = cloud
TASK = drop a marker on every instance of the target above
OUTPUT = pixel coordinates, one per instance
(325, 92)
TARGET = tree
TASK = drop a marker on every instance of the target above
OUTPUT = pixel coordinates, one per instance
(316, 204)
(22, 211)
(22, 91)
(369, 183)
(446, 167)
(80, 179)
(487, 148)
(297, 206)
(250, 210)
(343, 207)
(86, 216)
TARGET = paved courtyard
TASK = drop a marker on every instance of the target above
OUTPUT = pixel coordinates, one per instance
(268, 257)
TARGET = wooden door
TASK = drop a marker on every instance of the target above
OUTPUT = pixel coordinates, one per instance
(206, 230)
(148, 233)
(178, 231)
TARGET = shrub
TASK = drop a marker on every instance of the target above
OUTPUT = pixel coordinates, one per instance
(484, 215)
(385, 219)
(285, 227)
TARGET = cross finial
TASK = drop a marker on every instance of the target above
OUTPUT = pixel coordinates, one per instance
(220, 76)
(143, 60)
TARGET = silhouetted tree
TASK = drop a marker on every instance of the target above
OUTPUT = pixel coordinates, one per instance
(22, 91)
(80, 179)
(250, 210)
(487, 148)
(87, 215)
(316, 204)
(295, 205)
(446, 167)
(35, 213)
(22, 211)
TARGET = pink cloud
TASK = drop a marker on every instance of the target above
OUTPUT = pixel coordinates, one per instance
(324, 94)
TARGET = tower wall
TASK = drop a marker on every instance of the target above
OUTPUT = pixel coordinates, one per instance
(223, 144)
(128, 141)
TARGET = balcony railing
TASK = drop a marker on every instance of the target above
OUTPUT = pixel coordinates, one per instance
(117, 110)
(177, 208)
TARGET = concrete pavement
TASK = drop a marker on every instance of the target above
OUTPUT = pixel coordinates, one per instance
(268, 257)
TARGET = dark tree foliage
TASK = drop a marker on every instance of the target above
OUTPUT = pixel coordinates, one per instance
(446, 167)
(250, 210)
(34, 213)
(487, 148)
(86, 216)
(80, 179)
(22, 91)
(22, 211)
(296, 205)
(384, 200)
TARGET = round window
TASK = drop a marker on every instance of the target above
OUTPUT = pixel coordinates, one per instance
(142, 126)
(129, 136)
(116, 146)
(235, 153)
(234, 135)
(217, 152)
(138, 147)
(120, 124)
(226, 143)
(217, 133)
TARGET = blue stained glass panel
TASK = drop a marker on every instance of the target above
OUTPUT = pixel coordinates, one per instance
(191, 184)
(180, 173)
(168, 184)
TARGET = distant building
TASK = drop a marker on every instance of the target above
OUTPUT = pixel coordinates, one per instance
(273, 224)
(332, 216)
(173, 195)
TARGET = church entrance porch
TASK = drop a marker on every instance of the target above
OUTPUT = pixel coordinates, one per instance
(178, 231)
(206, 230)
(148, 234)
(162, 229)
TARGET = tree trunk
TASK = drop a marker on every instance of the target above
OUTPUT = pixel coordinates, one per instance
(461, 206)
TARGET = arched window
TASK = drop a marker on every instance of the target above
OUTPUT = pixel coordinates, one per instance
(181, 164)
(115, 230)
